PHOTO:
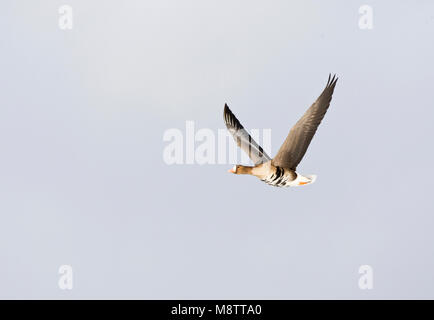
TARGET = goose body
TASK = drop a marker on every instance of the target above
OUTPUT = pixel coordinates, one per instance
(277, 176)
(281, 170)
(282, 177)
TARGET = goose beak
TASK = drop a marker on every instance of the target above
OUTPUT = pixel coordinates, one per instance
(233, 170)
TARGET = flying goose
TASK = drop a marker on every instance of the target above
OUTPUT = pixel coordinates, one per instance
(281, 170)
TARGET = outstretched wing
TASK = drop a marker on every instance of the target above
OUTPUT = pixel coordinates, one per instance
(243, 138)
(293, 149)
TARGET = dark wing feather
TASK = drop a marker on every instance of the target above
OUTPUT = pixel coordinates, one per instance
(243, 138)
(293, 149)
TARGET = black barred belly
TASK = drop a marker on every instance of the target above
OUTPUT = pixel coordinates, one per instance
(280, 178)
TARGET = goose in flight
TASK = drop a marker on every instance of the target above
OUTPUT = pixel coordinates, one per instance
(281, 170)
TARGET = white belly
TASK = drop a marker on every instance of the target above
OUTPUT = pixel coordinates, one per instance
(286, 180)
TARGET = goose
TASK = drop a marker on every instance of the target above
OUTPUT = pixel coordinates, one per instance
(281, 170)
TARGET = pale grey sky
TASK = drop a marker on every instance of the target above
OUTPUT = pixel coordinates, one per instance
(82, 176)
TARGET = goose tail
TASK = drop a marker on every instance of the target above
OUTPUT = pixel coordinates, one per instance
(312, 178)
